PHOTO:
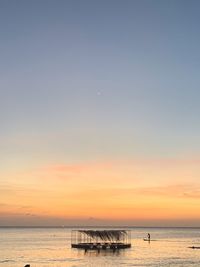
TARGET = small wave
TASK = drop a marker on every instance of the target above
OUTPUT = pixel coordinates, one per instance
(4, 261)
(63, 260)
(43, 261)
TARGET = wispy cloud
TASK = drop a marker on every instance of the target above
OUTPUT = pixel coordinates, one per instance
(138, 189)
(175, 191)
(78, 167)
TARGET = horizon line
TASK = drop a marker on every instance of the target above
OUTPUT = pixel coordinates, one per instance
(97, 226)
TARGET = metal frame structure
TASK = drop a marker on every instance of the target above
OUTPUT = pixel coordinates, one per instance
(101, 239)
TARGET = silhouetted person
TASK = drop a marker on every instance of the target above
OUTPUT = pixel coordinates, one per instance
(148, 236)
(27, 265)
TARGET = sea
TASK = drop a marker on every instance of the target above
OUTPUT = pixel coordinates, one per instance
(51, 247)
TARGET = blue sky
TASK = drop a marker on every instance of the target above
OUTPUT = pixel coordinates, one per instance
(102, 72)
(99, 98)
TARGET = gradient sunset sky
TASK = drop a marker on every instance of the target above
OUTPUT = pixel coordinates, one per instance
(100, 112)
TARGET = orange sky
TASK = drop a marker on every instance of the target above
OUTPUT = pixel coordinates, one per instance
(127, 192)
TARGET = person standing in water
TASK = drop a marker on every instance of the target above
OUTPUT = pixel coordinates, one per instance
(148, 236)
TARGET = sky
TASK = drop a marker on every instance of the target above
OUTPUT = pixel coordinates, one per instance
(99, 112)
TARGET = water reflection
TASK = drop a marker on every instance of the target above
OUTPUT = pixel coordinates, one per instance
(52, 248)
(101, 253)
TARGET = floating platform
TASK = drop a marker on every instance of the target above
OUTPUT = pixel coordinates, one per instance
(101, 239)
(94, 246)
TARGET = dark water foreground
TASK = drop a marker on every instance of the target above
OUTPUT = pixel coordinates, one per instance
(51, 247)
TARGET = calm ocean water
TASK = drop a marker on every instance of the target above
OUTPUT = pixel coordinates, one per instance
(50, 247)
